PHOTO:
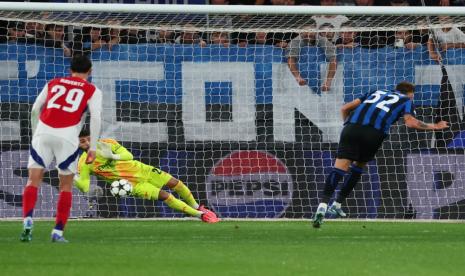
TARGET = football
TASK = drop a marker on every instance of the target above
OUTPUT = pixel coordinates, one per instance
(121, 188)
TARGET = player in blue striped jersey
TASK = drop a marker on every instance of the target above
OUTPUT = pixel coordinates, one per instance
(367, 122)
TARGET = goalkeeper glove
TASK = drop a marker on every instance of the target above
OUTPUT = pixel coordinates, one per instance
(106, 152)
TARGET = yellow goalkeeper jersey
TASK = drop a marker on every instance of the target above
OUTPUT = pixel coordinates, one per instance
(110, 169)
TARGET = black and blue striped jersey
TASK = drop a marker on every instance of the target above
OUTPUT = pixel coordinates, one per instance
(380, 109)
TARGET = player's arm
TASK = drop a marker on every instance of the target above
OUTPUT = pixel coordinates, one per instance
(412, 122)
(111, 149)
(95, 109)
(347, 108)
(37, 106)
(82, 178)
(331, 56)
(121, 153)
(293, 52)
(294, 68)
(432, 50)
(332, 67)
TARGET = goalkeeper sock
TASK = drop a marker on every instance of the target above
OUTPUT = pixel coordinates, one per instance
(181, 206)
(63, 210)
(331, 183)
(183, 191)
(29, 200)
(354, 176)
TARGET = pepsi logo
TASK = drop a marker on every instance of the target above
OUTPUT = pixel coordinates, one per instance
(249, 184)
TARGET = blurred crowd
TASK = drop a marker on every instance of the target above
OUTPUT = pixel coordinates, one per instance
(321, 33)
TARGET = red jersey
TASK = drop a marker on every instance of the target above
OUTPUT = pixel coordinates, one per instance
(66, 101)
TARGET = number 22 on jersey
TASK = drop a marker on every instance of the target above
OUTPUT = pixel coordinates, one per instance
(64, 99)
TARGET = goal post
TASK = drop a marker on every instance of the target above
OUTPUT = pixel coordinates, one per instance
(230, 101)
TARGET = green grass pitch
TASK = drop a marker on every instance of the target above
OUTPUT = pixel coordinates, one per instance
(130, 247)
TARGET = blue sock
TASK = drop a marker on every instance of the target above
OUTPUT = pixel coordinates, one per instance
(331, 183)
(354, 176)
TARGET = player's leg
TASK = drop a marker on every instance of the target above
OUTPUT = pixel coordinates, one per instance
(341, 166)
(183, 191)
(370, 140)
(29, 201)
(352, 178)
(176, 204)
(348, 150)
(40, 157)
(30, 191)
(160, 179)
(65, 200)
(66, 156)
(149, 191)
(332, 180)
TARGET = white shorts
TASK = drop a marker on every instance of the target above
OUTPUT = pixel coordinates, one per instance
(44, 148)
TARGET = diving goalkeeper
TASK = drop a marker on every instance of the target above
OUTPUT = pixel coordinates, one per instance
(115, 162)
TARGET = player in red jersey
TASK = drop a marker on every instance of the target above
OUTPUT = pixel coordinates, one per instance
(57, 117)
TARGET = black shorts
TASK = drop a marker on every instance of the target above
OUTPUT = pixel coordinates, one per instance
(359, 143)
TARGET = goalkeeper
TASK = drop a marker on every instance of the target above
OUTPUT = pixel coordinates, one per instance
(115, 162)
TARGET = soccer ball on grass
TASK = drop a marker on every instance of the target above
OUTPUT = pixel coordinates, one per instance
(120, 188)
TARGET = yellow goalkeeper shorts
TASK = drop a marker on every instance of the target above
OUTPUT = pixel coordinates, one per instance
(151, 188)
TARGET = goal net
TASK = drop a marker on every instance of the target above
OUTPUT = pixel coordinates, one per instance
(242, 103)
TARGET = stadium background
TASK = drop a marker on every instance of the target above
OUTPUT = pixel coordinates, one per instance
(306, 152)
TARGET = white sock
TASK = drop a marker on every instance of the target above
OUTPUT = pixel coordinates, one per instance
(27, 222)
(337, 205)
(323, 205)
(58, 232)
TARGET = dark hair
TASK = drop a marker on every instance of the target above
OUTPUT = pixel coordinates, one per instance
(16, 25)
(405, 87)
(84, 133)
(52, 27)
(80, 64)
